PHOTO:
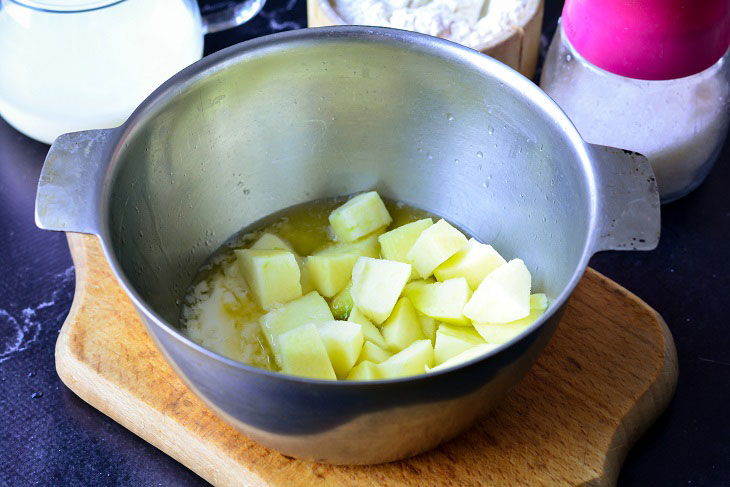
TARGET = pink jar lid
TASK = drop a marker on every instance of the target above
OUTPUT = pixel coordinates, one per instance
(649, 39)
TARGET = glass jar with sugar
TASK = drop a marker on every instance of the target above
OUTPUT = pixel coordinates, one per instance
(650, 76)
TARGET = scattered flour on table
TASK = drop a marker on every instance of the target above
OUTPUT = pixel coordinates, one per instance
(455, 20)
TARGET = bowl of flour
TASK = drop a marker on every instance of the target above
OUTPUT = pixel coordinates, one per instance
(508, 30)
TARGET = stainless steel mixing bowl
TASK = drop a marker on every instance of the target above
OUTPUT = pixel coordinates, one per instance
(315, 113)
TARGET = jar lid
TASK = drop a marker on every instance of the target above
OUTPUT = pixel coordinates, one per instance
(649, 39)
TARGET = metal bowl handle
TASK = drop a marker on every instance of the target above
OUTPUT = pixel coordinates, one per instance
(71, 181)
(628, 203)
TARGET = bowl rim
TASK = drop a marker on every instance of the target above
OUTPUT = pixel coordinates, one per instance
(421, 43)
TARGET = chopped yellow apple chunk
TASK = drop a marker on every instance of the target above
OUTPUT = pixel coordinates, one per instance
(369, 331)
(428, 325)
(435, 244)
(410, 361)
(367, 247)
(343, 341)
(402, 326)
(269, 241)
(330, 273)
(473, 263)
(373, 353)
(452, 340)
(395, 244)
(376, 285)
(503, 296)
(303, 353)
(443, 301)
(365, 370)
(330, 269)
(305, 279)
(311, 308)
(504, 332)
(272, 275)
(465, 356)
(360, 216)
(416, 285)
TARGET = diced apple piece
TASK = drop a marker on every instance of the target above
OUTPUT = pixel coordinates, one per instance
(364, 371)
(343, 341)
(443, 301)
(411, 361)
(366, 246)
(395, 244)
(330, 273)
(376, 286)
(303, 353)
(331, 269)
(402, 326)
(464, 333)
(473, 262)
(373, 353)
(465, 356)
(428, 325)
(452, 340)
(305, 280)
(357, 316)
(435, 244)
(503, 296)
(504, 332)
(369, 331)
(342, 304)
(414, 286)
(372, 334)
(360, 216)
(272, 275)
(269, 241)
(311, 308)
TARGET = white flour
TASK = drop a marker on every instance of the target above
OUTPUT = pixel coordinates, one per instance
(458, 21)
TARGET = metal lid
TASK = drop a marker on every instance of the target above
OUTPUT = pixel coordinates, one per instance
(649, 39)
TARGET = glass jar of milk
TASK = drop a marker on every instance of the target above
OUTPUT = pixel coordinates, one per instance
(70, 65)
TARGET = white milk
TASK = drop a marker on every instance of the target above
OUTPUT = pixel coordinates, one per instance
(64, 72)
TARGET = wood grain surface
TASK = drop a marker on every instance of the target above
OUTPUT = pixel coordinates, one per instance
(517, 47)
(608, 372)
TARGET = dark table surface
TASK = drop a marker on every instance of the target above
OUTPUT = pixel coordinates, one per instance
(48, 436)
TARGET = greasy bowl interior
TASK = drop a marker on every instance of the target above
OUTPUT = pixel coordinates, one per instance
(281, 127)
(275, 123)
